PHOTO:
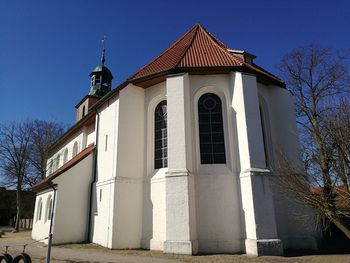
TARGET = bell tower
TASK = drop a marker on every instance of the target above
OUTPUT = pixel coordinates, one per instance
(100, 85)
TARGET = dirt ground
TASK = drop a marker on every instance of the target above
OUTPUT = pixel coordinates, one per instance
(75, 253)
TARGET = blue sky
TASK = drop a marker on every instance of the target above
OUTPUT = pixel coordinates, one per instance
(48, 48)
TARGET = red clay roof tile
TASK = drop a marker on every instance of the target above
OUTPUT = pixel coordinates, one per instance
(197, 48)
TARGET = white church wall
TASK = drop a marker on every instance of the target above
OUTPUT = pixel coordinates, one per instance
(107, 140)
(127, 221)
(153, 230)
(76, 138)
(294, 231)
(90, 135)
(72, 224)
(41, 226)
(104, 187)
(259, 231)
(216, 186)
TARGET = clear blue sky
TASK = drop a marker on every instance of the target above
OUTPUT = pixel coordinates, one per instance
(48, 48)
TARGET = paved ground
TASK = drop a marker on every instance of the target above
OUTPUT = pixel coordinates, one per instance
(92, 253)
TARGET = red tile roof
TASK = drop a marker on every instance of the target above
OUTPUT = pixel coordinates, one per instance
(198, 49)
(45, 183)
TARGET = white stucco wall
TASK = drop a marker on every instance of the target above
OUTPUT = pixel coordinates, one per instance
(128, 196)
(104, 187)
(216, 186)
(71, 208)
(41, 227)
(84, 137)
(153, 225)
(295, 231)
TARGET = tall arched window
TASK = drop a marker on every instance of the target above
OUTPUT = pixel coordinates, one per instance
(40, 207)
(65, 156)
(160, 136)
(211, 130)
(49, 208)
(75, 149)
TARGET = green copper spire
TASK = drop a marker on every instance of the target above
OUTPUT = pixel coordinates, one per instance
(101, 76)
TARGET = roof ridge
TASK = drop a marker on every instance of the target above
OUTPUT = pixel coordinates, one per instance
(197, 25)
(166, 50)
(216, 42)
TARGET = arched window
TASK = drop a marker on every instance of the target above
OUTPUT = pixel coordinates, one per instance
(264, 130)
(58, 161)
(65, 156)
(75, 149)
(49, 208)
(160, 136)
(40, 207)
(211, 130)
(50, 167)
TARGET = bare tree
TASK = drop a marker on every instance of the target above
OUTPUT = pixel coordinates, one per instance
(14, 158)
(24, 148)
(318, 78)
(45, 133)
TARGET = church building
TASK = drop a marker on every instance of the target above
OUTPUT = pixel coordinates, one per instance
(178, 158)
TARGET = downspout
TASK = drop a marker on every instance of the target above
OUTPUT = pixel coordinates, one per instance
(49, 244)
(94, 176)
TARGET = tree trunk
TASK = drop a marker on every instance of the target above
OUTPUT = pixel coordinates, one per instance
(19, 208)
(342, 227)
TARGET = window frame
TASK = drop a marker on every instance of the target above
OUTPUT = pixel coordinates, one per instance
(213, 154)
(155, 139)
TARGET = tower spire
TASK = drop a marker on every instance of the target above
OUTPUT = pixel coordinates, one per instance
(103, 59)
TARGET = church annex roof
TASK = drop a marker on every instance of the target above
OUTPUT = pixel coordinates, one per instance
(199, 49)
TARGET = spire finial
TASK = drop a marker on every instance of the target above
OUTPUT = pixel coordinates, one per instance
(103, 51)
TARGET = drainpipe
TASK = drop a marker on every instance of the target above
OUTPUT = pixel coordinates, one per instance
(94, 175)
(49, 243)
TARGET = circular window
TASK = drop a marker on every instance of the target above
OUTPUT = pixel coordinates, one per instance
(209, 103)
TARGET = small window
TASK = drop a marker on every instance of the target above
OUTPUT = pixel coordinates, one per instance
(65, 156)
(83, 112)
(40, 207)
(75, 149)
(160, 136)
(58, 161)
(49, 208)
(50, 167)
(106, 143)
(264, 135)
(100, 195)
(211, 130)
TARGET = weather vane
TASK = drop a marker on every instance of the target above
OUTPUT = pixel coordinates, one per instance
(103, 41)
(103, 50)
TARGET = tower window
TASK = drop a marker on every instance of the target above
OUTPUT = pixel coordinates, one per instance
(211, 130)
(160, 136)
(83, 111)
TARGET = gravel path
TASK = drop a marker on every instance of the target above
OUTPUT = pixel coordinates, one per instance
(61, 254)
(76, 253)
